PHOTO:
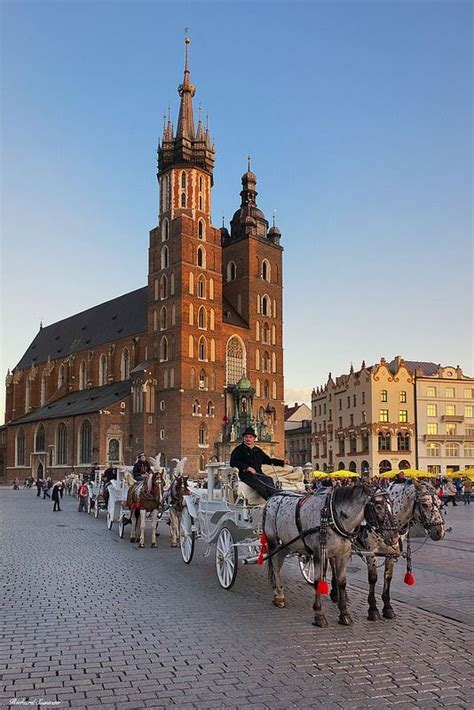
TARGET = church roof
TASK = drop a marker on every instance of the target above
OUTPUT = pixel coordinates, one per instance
(113, 320)
(79, 402)
(231, 315)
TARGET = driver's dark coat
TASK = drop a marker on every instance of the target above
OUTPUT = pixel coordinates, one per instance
(243, 456)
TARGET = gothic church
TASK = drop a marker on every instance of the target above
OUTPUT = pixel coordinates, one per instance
(179, 366)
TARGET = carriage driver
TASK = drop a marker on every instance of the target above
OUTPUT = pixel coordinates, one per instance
(249, 458)
(141, 468)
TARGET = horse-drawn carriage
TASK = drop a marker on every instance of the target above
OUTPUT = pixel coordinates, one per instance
(97, 501)
(117, 492)
(228, 513)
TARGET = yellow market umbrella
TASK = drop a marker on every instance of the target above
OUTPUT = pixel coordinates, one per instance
(467, 473)
(320, 474)
(342, 473)
(389, 474)
(417, 473)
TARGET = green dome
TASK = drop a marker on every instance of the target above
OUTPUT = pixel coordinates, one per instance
(244, 383)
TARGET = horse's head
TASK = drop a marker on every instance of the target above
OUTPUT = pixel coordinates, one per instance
(379, 515)
(427, 510)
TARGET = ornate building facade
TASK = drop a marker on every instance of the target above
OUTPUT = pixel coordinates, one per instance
(179, 366)
(394, 415)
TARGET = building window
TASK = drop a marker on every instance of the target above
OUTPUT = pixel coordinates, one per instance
(235, 361)
(452, 450)
(436, 470)
(162, 405)
(403, 397)
(266, 270)
(431, 391)
(202, 435)
(125, 365)
(165, 257)
(20, 448)
(201, 287)
(265, 362)
(82, 375)
(210, 409)
(137, 398)
(231, 271)
(365, 445)
(202, 380)
(450, 429)
(274, 390)
(384, 396)
(61, 376)
(403, 442)
(85, 442)
(192, 378)
(61, 445)
(202, 318)
(341, 451)
(165, 231)
(163, 287)
(403, 416)
(202, 349)
(266, 334)
(431, 410)
(196, 408)
(163, 318)
(432, 428)
(449, 393)
(469, 451)
(469, 393)
(114, 451)
(266, 311)
(211, 289)
(201, 257)
(164, 349)
(183, 199)
(40, 439)
(383, 416)
(384, 441)
(201, 230)
(451, 410)
(191, 283)
(363, 397)
(102, 370)
(162, 434)
(353, 445)
(468, 411)
(433, 450)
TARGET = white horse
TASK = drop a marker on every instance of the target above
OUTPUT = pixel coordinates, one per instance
(175, 492)
(323, 527)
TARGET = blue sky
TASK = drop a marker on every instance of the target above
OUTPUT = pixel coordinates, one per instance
(358, 118)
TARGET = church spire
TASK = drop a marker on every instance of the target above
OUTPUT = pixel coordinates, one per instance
(186, 90)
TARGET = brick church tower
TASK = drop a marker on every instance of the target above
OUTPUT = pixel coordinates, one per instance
(214, 305)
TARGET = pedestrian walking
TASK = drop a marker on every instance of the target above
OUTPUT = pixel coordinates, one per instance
(46, 488)
(450, 493)
(55, 496)
(467, 491)
(83, 494)
(39, 487)
(16, 484)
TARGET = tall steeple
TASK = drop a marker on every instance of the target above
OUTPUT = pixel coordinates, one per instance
(186, 148)
(186, 90)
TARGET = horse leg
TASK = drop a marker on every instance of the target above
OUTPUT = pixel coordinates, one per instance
(174, 527)
(373, 614)
(142, 527)
(340, 570)
(387, 611)
(133, 525)
(154, 522)
(274, 566)
(333, 593)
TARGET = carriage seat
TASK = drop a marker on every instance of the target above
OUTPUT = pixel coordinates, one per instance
(250, 496)
(289, 478)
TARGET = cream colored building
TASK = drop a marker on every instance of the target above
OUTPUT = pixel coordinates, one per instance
(445, 420)
(366, 421)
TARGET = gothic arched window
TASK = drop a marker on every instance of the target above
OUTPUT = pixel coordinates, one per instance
(163, 318)
(202, 348)
(102, 370)
(85, 442)
(114, 451)
(82, 375)
(201, 257)
(125, 365)
(201, 230)
(231, 271)
(61, 376)
(165, 231)
(40, 439)
(235, 360)
(202, 318)
(266, 270)
(165, 257)
(201, 290)
(20, 448)
(163, 349)
(163, 287)
(61, 445)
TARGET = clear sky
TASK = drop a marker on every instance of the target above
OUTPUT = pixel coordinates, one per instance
(358, 117)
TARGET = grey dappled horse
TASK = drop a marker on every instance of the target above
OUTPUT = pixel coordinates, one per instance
(412, 502)
(289, 518)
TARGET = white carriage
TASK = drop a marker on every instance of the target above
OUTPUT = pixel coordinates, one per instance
(228, 514)
(96, 488)
(118, 491)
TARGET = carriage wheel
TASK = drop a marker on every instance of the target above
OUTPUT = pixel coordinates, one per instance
(110, 521)
(187, 536)
(306, 564)
(96, 508)
(227, 559)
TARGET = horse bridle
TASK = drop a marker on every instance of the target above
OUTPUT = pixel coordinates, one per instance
(427, 523)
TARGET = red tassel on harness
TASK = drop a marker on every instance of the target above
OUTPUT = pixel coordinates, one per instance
(322, 587)
(409, 579)
(136, 506)
(263, 549)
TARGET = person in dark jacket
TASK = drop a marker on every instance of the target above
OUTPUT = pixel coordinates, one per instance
(55, 496)
(141, 468)
(39, 486)
(249, 458)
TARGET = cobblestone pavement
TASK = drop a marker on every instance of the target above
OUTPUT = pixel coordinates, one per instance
(90, 621)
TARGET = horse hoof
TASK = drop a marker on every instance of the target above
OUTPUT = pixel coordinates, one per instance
(373, 615)
(280, 603)
(388, 613)
(132, 539)
(141, 547)
(320, 621)
(174, 544)
(153, 544)
(345, 620)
